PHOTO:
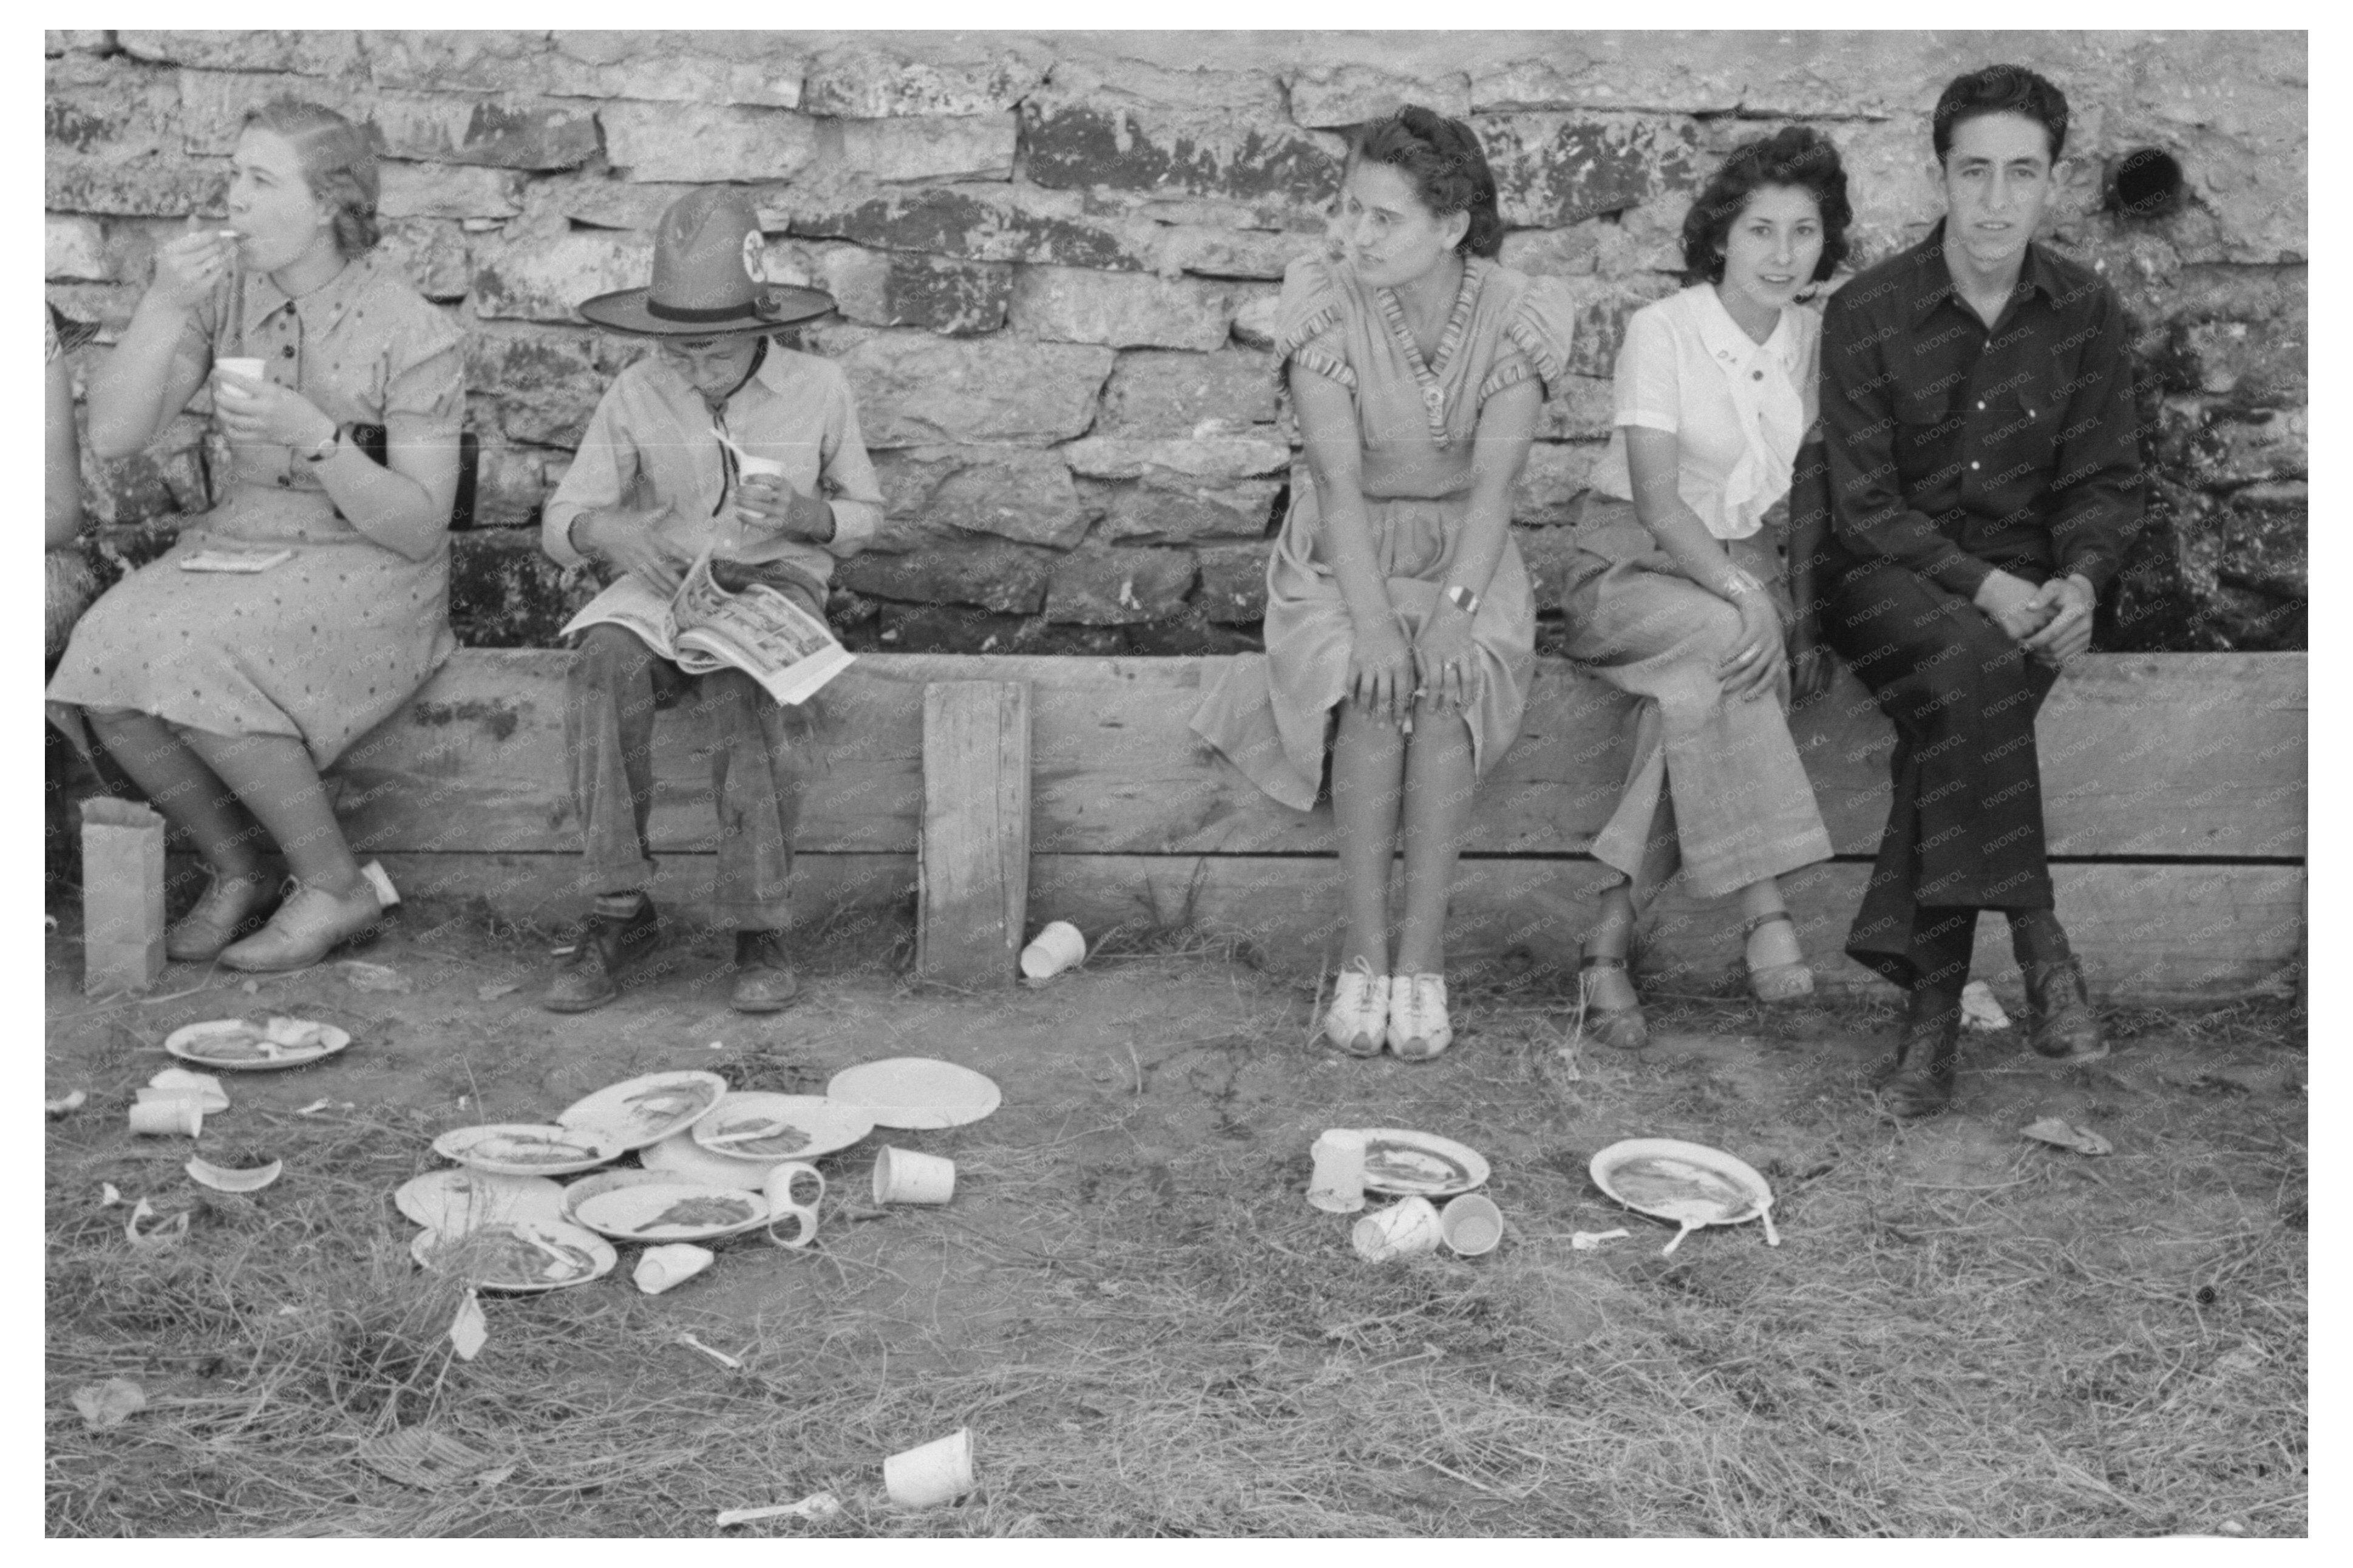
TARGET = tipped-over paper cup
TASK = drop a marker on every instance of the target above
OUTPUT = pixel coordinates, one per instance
(792, 1217)
(663, 1266)
(1338, 1185)
(1401, 1230)
(167, 1115)
(903, 1176)
(1052, 950)
(1471, 1225)
(934, 1474)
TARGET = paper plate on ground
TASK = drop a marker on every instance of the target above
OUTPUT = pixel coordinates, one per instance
(462, 1199)
(1420, 1164)
(754, 1126)
(526, 1149)
(654, 1208)
(236, 1045)
(1689, 1184)
(914, 1091)
(646, 1110)
(517, 1255)
(679, 1156)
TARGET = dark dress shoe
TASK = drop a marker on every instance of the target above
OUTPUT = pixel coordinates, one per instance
(2063, 1026)
(1926, 1054)
(765, 982)
(608, 944)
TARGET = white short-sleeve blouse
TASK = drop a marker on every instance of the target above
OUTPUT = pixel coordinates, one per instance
(1738, 408)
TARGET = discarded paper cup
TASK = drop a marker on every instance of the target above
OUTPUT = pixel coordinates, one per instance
(1052, 950)
(1401, 1230)
(934, 1474)
(663, 1266)
(786, 1209)
(169, 1114)
(1338, 1185)
(903, 1176)
(1471, 1225)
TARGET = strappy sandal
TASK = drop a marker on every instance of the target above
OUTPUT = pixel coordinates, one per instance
(1619, 1028)
(1776, 983)
(1357, 1020)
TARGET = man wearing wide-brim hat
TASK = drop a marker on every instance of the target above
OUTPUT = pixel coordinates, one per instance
(658, 479)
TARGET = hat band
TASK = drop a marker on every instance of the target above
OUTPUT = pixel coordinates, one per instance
(688, 314)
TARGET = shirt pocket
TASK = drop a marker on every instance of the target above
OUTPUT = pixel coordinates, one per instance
(1927, 433)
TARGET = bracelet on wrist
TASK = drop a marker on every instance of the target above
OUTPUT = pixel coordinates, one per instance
(1738, 581)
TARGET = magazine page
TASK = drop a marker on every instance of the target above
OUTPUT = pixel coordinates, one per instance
(761, 631)
(629, 603)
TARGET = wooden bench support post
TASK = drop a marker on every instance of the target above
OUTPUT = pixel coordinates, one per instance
(974, 865)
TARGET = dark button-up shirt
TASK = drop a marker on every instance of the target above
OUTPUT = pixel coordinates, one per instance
(1955, 449)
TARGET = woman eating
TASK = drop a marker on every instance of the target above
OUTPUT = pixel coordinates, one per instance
(312, 601)
(1678, 595)
(1400, 626)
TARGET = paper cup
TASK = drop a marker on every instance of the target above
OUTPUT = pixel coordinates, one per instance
(931, 1475)
(1470, 1226)
(1338, 1185)
(662, 1266)
(181, 1115)
(1052, 950)
(787, 1210)
(1401, 1230)
(240, 370)
(753, 468)
(902, 1176)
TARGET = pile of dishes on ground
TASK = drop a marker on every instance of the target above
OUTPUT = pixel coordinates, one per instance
(712, 1163)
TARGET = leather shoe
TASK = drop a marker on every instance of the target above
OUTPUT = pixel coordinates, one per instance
(2063, 1026)
(230, 908)
(1926, 1054)
(608, 945)
(1621, 1028)
(310, 924)
(765, 982)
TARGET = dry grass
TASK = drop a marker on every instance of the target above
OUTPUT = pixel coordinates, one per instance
(1177, 1347)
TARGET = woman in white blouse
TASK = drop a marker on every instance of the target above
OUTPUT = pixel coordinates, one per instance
(1679, 593)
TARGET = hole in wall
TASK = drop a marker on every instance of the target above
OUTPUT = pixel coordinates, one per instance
(2146, 182)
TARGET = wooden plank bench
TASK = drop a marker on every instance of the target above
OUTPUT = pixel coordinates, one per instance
(2175, 798)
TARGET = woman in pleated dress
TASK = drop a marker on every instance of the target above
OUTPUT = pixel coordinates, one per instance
(1401, 626)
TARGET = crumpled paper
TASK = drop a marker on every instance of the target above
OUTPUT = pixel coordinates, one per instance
(109, 1404)
(2067, 1135)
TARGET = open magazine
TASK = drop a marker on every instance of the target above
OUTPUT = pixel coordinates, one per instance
(703, 627)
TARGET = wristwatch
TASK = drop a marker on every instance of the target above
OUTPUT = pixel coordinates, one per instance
(1462, 598)
(326, 448)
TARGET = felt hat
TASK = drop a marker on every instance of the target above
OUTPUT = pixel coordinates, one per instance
(706, 281)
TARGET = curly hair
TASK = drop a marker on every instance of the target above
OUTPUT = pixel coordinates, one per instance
(337, 162)
(1448, 168)
(1999, 90)
(1797, 157)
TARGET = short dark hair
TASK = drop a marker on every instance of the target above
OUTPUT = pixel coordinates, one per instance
(1796, 156)
(1447, 165)
(1999, 89)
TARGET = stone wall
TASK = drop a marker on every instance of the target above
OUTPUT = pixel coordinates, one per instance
(1056, 257)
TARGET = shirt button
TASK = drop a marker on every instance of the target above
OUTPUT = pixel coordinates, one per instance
(1756, 375)
(285, 483)
(1972, 465)
(288, 351)
(1981, 407)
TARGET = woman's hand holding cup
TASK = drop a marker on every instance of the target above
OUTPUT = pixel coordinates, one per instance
(256, 411)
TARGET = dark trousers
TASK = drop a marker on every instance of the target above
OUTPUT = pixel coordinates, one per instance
(1965, 829)
(613, 686)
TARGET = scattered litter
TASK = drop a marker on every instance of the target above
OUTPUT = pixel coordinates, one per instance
(1587, 1240)
(417, 1458)
(385, 894)
(237, 1044)
(222, 1179)
(1052, 950)
(1980, 1010)
(2065, 1135)
(468, 1331)
(492, 990)
(566, 950)
(163, 1234)
(204, 1086)
(660, 1267)
(1690, 1184)
(2235, 1363)
(1404, 1229)
(721, 1357)
(1564, 1061)
(938, 1472)
(315, 1107)
(721, 1046)
(168, 1115)
(817, 1508)
(70, 1103)
(109, 1404)
(109, 1195)
(367, 976)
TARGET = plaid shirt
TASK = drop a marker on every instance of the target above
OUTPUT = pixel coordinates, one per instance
(1955, 449)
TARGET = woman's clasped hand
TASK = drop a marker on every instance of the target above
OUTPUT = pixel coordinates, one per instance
(1753, 669)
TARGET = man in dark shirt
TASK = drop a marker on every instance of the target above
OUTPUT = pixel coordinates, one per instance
(1977, 401)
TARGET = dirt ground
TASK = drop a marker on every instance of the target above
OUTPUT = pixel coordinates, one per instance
(1146, 1328)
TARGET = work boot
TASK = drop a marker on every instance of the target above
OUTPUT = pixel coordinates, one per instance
(765, 982)
(1926, 1052)
(2063, 1026)
(608, 945)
